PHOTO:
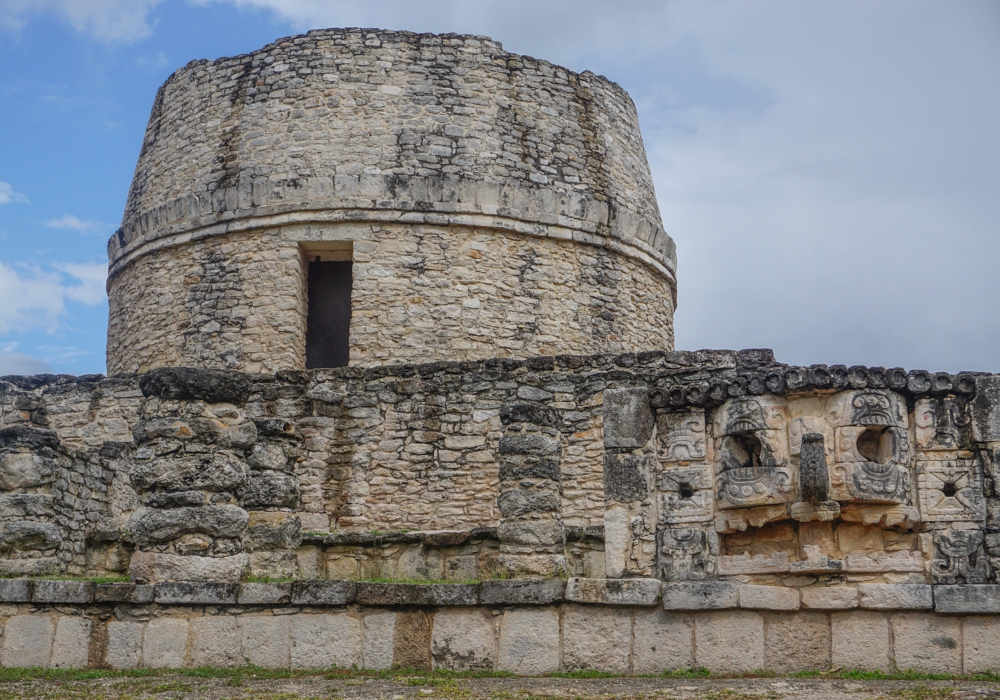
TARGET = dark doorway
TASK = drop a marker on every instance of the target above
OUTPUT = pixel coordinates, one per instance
(329, 323)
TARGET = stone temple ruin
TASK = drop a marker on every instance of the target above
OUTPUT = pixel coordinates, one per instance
(392, 382)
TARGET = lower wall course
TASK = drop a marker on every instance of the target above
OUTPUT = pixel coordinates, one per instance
(596, 638)
(464, 639)
(27, 641)
(323, 640)
(981, 644)
(662, 641)
(860, 640)
(215, 641)
(529, 641)
(927, 642)
(266, 640)
(165, 643)
(71, 644)
(796, 642)
(379, 631)
(729, 641)
(124, 645)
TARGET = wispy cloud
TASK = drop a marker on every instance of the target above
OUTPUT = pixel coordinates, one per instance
(62, 354)
(91, 277)
(36, 299)
(110, 21)
(8, 195)
(19, 363)
(68, 221)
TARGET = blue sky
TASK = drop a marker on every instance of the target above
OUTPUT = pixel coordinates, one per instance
(830, 171)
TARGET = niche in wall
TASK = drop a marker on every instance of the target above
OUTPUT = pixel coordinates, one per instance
(328, 325)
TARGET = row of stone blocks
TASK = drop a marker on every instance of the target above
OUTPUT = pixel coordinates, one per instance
(708, 595)
(522, 640)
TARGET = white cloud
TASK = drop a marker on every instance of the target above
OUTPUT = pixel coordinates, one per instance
(36, 299)
(68, 221)
(106, 20)
(62, 354)
(8, 195)
(19, 363)
(92, 278)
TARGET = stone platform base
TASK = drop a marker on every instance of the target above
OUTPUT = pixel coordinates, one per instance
(527, 628)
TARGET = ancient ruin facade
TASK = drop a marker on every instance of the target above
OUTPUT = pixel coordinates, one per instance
(515, 470)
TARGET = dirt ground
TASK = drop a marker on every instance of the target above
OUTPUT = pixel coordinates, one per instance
(177, 687)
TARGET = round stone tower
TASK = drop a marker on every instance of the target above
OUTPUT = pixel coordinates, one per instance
(369, 196)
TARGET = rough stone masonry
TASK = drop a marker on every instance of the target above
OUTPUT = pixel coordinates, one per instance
(515, 471)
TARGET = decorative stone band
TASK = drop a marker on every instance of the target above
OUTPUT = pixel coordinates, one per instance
(687, 596)
(530, 212)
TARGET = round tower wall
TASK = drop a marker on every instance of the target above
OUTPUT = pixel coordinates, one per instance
(492, 204)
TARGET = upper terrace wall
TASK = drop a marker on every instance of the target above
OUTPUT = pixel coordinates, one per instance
(460, 173)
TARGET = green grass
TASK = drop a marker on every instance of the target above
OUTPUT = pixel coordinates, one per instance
(425, 581)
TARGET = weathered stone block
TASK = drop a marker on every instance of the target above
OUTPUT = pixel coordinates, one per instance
(895, 596)
(264, 593)
(522, 592)
(215, 641)
(20, 470)
(39, 566)
(829, 598)
(797, 641)
(124, 644)
(860, 640)
(274, 490)
(29, 536)
(411, 643)
(189, 384)
(626, 477)
(529, 641)
(71, 644)
(214, 471)
(323, 592)
(769, 598)
(628, 419)
(927, 642)
(596, 638)
(150, 567)
(662, 641)
(967, 598)
(707, 595)
(114, 592)
(272, 530)
(981, 644)
(63, 592)
(266, 639)
(27, 641)
(417, 594)
(15, 590)
(517, 502)
(25, 436)
(165, 643)
(150, 525)
(379, 633)
(611, 591)
(463, 639)
(320, 641)
(729, 641)
(186, 593)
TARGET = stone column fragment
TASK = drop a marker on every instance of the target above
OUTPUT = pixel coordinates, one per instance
(531, 532)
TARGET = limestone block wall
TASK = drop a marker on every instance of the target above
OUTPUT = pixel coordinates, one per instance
(523, 627)
(420, 292)
(508, 205)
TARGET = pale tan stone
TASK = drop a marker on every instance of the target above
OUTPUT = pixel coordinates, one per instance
(379, 631)
(320, 641)
(124, 644)
(927, 642)
(165, 643)
(71, 645)
(662, 641)
(215, 641)
(729, 641)
(27, 641)
(463, 639)
(596, 638)
(797, 641)
(769, 597)
(829, 597)
(266, 640)
(529, 641)
(981, 644)
(860, 640)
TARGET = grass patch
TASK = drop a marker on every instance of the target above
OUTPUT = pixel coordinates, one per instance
(269, 579)
(418, 581)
